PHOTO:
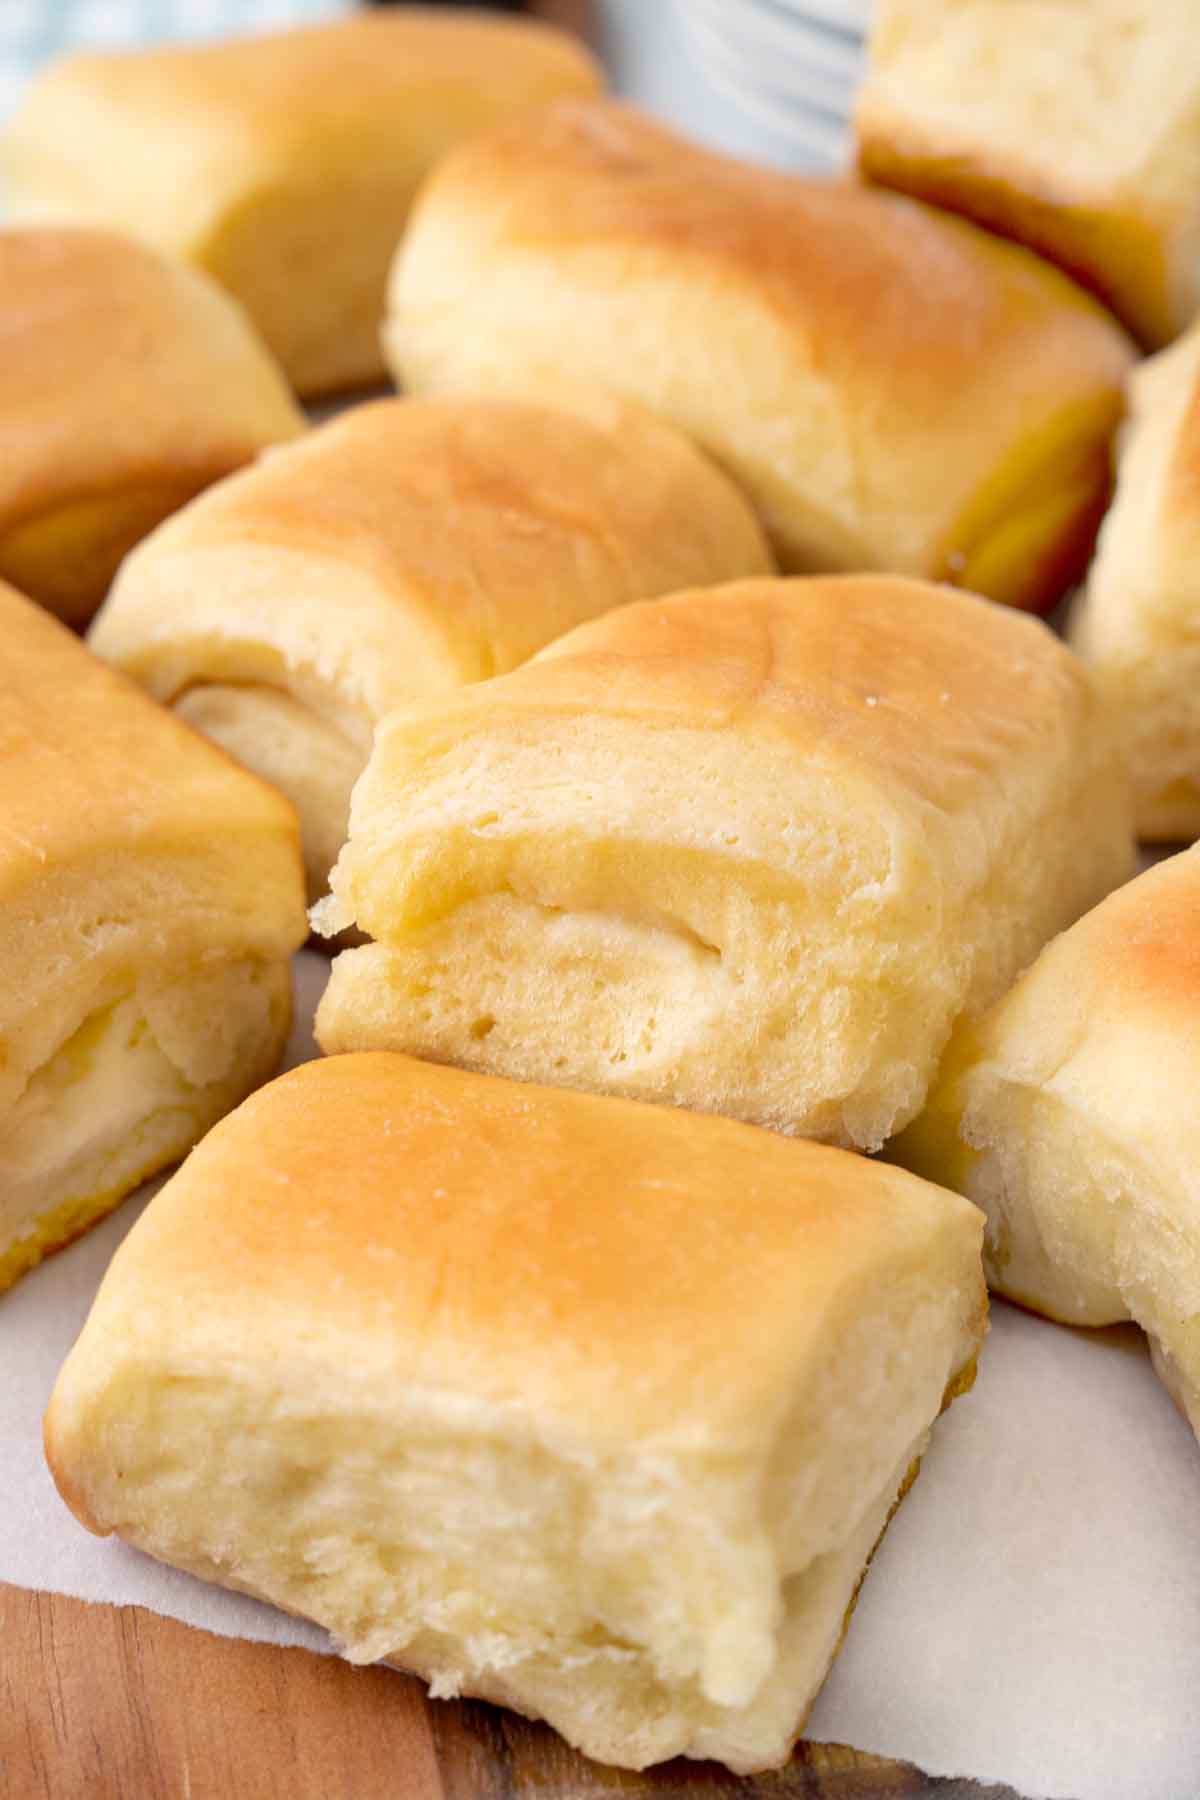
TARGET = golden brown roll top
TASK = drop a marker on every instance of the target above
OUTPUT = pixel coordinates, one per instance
(1069, 1115)
(408, 547)
(1073, 128)
(283, 165)
(1138, 622)
(894, 389)
(592, 1408)
(128, 385)
(752, 850)
(150, 895)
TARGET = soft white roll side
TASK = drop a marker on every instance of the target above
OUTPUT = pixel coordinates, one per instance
(150, 898)
(403, 548)
(1069, 1114)
(753, 850)
(1138, 622)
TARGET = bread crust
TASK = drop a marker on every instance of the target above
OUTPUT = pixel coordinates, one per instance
(129, 385)
(894, 389)
(1068, 1114)
(1137, 624)
(150, 897)
(752, 849)
(283, 165)
(407, 547)
(1074, 129)
(679, 1369)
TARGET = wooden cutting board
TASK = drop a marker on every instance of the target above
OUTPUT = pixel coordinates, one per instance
(115, 1703)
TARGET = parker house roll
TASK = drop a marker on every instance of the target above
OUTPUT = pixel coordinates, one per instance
(283, 165)
(752, 850)
(128, 384)
(408, 547)
(894, 389)
(1138, 624)
(1070, 1116)
(150, 895)
(593, 1409)
(1070, 125)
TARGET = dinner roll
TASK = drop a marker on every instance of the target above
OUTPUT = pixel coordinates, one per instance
(752, 850)
(593, 1409)
(150, 895)
(1138, 624)
(1070, 125)
(283, 165)
(408, 547)
(1069, 1115)
(129, 383)
(894, 389)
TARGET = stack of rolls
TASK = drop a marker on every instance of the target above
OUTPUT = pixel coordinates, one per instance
(408, 547)
(150, 898)
(554, 1338)
(894, 389)
(283, 165)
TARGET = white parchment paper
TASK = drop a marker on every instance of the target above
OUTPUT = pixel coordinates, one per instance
(1033, 1615)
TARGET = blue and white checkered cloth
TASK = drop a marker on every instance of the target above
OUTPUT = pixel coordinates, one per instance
(34, 31)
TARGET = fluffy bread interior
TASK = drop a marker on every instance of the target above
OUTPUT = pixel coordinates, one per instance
(569, 945)
(299, 750)
(242, 641)
(1068, 1116)
(965, 105)
(795, 955)
(1083, 1227)
(150, 898)
(145, 1063)
(647, 1606)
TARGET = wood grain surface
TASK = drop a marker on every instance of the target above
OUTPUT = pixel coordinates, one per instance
(109, 1703)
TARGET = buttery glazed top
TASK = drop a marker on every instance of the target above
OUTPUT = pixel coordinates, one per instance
(90, 766)
(908, 286)
(286, 87)
(266, 106)
(587, 1261)
(495, 525)
(935, 348)
(1178, 548)
(1146, 938)
(1129, 970)
(927, 690)
(118, 366)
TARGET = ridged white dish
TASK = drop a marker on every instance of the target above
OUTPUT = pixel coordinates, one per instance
(792, 65)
